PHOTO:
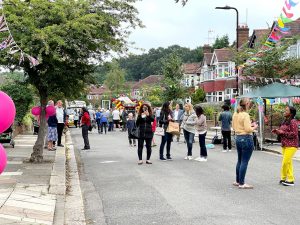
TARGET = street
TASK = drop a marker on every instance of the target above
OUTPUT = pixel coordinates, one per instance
(118, 191)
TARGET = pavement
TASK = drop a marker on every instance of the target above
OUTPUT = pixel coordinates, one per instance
(118, 191)
(40, 193)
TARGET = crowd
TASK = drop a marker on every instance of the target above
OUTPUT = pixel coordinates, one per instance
(190, 120)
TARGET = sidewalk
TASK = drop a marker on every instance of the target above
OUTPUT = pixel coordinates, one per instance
(41, 193)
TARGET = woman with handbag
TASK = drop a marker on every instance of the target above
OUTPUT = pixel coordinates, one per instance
(188, 126)
(166, 115)
(144, 123)
(288, 133)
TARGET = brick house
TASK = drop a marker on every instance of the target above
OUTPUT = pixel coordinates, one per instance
(191, 75)
(139, 89)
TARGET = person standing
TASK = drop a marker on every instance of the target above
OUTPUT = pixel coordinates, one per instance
(144, 123)
(85, 123)
(103, 122)
(226, 118)
(110, 120)
(123, 115)
(61, 119)
(52, 129)
(201, 129)
(178, 116)
(288, 133)
(98, 119)
(166, 115)
(116, 117)
(244, 141)
(130, 125)
(76, 118)
(157, 115)
(188, 126)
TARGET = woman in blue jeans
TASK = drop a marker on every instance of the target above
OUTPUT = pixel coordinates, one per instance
(166, 115)
(244, 142)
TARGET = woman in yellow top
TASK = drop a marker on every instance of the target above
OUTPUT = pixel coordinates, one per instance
(241, 124)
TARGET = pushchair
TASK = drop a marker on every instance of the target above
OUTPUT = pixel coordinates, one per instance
(7, 137)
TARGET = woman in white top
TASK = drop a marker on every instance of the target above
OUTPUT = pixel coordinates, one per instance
(201, 128)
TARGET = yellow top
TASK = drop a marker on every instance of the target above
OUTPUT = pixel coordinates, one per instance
(241, 123)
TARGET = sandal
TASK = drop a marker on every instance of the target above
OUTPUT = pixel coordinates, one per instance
(51, 149)
(245, 186)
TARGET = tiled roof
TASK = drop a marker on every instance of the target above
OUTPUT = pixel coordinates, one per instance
(95, 90)
(191, 68)
(207, 57)
(224, 54)
(150, 80)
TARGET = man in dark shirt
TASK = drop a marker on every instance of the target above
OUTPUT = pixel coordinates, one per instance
(226, 118)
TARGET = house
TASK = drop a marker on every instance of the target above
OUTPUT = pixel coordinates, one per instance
(218, 76)
(96, 92)
(191, 75)
(139, 89)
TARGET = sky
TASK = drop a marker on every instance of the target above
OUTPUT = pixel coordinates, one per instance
(168, 23)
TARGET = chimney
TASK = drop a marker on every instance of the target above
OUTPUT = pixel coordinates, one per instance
(206, 49)
(243, 34)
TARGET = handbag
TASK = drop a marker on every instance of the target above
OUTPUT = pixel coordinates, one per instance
(173, 128)
(134, 133)
(159, 131)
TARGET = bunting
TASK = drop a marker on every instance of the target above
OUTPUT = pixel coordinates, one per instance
(11, 46)
(263, 80)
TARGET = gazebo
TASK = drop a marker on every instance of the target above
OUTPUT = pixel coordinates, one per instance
(274, 90)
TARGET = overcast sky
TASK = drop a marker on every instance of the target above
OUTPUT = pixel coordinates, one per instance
(168, 23)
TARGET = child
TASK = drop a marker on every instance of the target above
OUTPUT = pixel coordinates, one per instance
(130, 125)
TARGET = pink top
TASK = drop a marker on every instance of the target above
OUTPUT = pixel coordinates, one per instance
(290, 136)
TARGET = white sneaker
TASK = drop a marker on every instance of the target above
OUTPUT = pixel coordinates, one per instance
(186, 158)
(224, 150)
(229, 150)
(190, 157)
(203, 160)
(197, 159)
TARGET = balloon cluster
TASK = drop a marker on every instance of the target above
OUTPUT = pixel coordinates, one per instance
(7, 117)
(233, 102)
(50, 110)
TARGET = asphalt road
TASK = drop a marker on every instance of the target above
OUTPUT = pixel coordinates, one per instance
(118, 191)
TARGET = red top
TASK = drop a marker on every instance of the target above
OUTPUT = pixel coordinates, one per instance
(85, 119)
(290, 136)
(154, 125)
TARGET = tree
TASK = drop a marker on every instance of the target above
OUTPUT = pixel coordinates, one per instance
(154, 95)
(22, 96)
(115, 78)
(173, 75)
(222, 42)
(65, 36)
(198, 96)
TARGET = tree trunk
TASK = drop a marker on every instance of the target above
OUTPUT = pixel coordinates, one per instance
(37, 154)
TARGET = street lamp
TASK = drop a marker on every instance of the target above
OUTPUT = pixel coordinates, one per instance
(237, 38)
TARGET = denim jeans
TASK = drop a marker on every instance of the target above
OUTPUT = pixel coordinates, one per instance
(244, 146)
(203, 150)
(167, 139)
(189, 139)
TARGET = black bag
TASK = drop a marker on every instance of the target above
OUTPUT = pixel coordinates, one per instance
(90, 128)
(216, 140)
(134, 133)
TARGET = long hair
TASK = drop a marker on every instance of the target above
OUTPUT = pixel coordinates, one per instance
(166, 107)
(199, 110)
(191, 108)
(84, 109)
(149, 109)
(242, 105)
(293, 111)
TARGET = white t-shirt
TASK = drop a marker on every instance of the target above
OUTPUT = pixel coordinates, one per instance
(92, 114)
(60, 114)
(176, 115)
(116, 115)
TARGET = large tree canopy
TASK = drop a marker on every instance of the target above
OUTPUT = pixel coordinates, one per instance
(66, 36)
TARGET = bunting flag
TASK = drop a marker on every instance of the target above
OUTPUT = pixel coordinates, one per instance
(10, 44)
(264, 80)
(290, 12)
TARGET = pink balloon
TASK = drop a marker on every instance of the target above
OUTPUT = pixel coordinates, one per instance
(50, 110)
(3, 158)
(7, 111)
(232, 101)
(36, 111)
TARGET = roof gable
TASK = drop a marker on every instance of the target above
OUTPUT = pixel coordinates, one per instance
(150, 80)
(191, 68)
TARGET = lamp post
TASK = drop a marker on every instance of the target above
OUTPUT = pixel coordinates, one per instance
(237, 37)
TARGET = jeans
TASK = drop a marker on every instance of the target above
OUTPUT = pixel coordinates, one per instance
(189, 139)
(98, 124)
(141, 146)
(60, 128)
(165, 139)
(110, 126)
(85, 134)
(244, 146)
(104, 125)
(203, 150)
(226, 139)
